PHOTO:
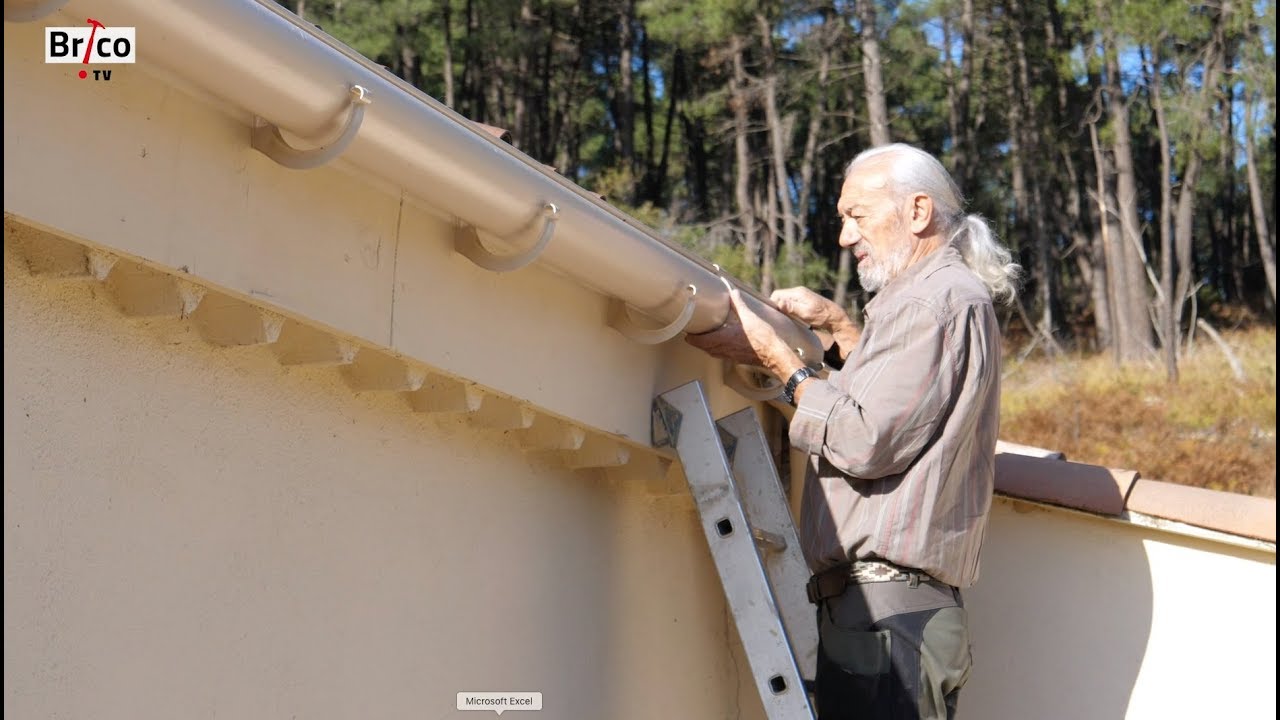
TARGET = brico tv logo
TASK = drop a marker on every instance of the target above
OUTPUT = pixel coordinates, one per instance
(92, 44)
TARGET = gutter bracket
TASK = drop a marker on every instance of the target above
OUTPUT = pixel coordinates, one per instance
(20, 13)
(620, 319)
(267, 139)
(735, 381)
(466, 241)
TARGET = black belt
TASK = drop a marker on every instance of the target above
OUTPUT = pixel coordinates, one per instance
(833, 582)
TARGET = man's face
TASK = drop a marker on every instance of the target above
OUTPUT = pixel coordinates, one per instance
(873, 228)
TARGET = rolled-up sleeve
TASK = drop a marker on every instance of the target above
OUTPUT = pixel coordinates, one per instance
(901, 385)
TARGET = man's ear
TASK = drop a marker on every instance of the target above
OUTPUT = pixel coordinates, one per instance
(920, 213)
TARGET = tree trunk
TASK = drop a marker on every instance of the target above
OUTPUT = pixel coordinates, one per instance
(699, 162)
(769, 244)
(565, 132)
(1227, 226)
(408, 56)
(1093, 271)
(624, 106)
(779, 142)
(1104, 313)
(1112, 259)
(873, 89)
(647, 84)
(1018, 181)
(954, 122)
(657, 178)
(959, 84)
(1190, 176)
(545, 117)
(1168, 306)
(1129, 277)
(844, 262)
(447, 64)
(472, 87)
(963, 90)
(521, 124)
(816, 116)
(1070, 213)
(1036, 212)
(1089, 253)
(1261, 230)
(739, 101)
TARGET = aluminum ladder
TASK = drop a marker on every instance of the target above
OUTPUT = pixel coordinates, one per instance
(753, 541)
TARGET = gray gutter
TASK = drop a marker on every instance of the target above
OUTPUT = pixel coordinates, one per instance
(261, 58)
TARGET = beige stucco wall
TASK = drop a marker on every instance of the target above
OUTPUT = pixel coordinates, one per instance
(1080, 617)
(193, 532)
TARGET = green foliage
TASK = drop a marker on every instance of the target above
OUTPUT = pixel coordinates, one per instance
(912, 80)
(697, 23)
(809, 269)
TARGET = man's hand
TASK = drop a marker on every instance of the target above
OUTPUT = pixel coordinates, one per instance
(820, 313)
(747, 339)
(809, 307)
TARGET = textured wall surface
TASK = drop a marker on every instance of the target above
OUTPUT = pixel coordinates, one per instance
(195, 532)
(1079, 617)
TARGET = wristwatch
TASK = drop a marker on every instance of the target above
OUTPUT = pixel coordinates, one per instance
(797, 377)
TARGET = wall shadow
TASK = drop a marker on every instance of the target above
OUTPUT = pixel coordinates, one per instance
(1060, 618)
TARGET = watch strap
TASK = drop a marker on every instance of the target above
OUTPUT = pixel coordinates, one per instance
(793, 382)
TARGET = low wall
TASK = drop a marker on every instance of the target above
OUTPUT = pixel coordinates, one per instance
(1082, 617)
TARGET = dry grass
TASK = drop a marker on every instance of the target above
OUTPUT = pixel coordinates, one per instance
(1209, 430)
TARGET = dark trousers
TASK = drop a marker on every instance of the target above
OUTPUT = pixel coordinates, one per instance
(891, 651)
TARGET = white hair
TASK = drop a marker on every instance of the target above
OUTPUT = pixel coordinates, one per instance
(912, 170)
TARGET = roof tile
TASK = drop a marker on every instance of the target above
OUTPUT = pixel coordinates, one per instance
(1092, 488)
(502, 134)
(1245, 515)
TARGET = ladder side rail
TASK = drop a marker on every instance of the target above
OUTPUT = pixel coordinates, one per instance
(767, 510)
(697, 441)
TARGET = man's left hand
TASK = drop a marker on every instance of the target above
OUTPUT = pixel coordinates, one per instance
(746, 339)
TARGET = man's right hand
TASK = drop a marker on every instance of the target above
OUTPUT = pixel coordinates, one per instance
(809, 307)
(819, 313)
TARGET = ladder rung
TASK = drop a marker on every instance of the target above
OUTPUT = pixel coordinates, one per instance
(766, 540)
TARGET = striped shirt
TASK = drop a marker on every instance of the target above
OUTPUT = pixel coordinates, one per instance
(901, 441)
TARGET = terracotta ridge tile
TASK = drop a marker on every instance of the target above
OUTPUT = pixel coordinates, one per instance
(1081, 486)
(1232, 513)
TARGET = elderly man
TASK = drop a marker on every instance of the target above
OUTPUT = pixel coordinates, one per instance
(901, 440)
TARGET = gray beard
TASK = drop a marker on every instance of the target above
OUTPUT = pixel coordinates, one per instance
(874, 276)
